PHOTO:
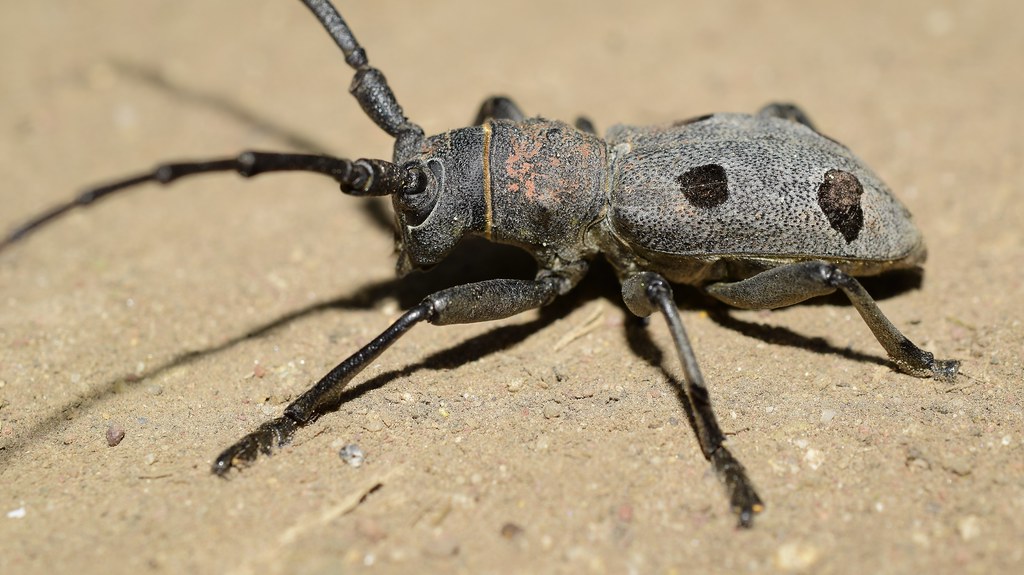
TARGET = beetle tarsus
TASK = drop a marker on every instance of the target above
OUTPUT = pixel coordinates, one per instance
(945, 369)
(267, 437)
(646, 293)
(743, 498)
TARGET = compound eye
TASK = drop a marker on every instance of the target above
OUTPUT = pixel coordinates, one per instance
(417, 199)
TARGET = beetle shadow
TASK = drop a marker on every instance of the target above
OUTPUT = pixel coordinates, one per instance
(639, 340)
(477, 347)
(154, 78)
(291, 140)
(777, 335)
(881, 287)
(473, 261)
(689, 298)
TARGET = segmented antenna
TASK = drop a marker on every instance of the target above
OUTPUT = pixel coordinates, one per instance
(358, 178)
(369, 86)
(339, 31)
(364, 177)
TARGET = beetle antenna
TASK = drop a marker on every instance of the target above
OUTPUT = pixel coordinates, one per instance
(359, 178)
(369, 86)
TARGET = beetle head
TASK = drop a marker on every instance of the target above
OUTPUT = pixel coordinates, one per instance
(433, 216)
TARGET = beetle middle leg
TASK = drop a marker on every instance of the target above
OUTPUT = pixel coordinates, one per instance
(468, 303)
(793, 283)
(645, 293)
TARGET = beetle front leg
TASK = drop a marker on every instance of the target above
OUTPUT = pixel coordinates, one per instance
(645, 293)
(475, 302)
(794, 283)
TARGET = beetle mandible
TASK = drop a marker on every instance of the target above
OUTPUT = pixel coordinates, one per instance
(761, 211)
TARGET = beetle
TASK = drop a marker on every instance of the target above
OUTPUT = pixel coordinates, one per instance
(760, 211)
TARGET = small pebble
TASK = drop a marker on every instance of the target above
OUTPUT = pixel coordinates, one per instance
(957, 465)
(827, 415)
(814, 458)
(917, 460)
(442, 546)
(115, 433)
(371, 530)
(373, 423)
(352, 454)
(796, 556)
(625, 513)
(511, 531)
(552, 410)
(969, 527)
(542, 443)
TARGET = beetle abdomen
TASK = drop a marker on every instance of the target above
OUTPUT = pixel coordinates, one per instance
(734, 185)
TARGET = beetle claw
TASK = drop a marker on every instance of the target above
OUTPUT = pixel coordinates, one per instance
(743, 498)
(945, 369)
(272, 434)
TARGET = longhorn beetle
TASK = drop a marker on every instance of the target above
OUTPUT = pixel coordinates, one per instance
(761, 211)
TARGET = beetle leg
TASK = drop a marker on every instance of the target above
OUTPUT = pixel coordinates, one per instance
(787, 111)
(584, 124)
(794, 283)
(503, 108)
(474, 302)
(645, 293)
(498, 108)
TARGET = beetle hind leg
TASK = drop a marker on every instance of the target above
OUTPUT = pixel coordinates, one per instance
(794, 283)
(645, 293)
(787, 111)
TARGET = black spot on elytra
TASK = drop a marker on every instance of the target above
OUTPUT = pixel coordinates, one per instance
(704, 186)
(839, 198)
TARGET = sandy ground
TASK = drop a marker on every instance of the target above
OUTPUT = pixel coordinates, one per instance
(550, 442)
